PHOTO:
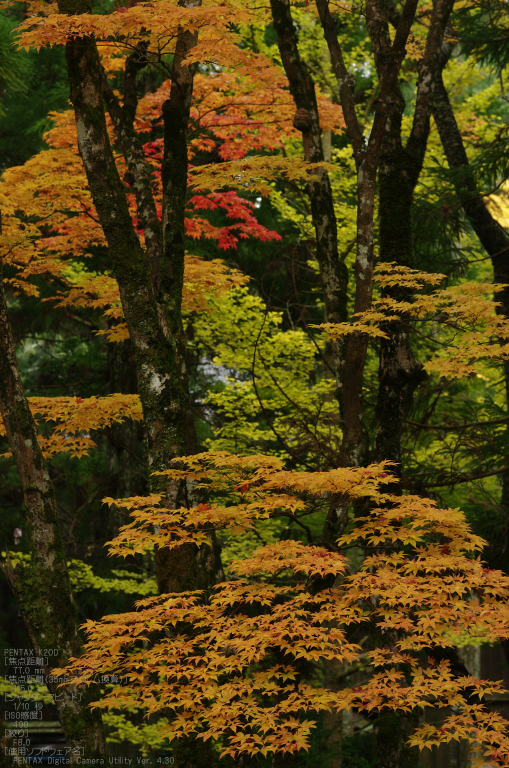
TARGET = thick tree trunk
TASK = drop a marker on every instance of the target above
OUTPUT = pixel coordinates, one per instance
(492, 235)
(399, 172)
(178, 568)
(139, 174)
(399, 372)
(333, 271)
(150, 284)
(151, 294)
(162, 383)
(126, 445)
(43, 587)
(400, 168)
(354, 446)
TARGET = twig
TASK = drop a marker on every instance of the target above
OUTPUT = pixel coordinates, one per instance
(444, 428)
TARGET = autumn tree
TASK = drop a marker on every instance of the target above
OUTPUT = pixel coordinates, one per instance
(414, 588)
(135, 205)
(165, 253)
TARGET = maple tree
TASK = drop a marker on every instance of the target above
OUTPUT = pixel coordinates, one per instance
(241, 112)
(268, 620)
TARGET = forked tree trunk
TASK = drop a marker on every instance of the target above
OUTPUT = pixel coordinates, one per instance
(367, 155)
(399, 170)
(150, 282)
(399, 372)
(388, 55)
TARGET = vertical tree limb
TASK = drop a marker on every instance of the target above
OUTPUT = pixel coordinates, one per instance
(43, 588)
(139, 169)
(399, 372)
(400, 167)
(333, 270)
(388, 57)
(151, 298)
(493, 237)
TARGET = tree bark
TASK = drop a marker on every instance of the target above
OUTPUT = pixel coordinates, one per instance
(150, 283)
(493, 237)
(333, 271)
(400, 167)
(398, 170)
(125, 440)
(139, 169)
(399, 372)
(388, 58)
(178, 568)
(43, 588)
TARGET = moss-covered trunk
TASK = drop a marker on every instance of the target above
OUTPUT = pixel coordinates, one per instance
(399, 372)
(400, 168)
(43, 587)
(150, 281)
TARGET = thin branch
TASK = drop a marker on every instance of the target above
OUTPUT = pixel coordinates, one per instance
(470, 478)
(296, 520)
(428, 68)
(264, 411)
(89, 501)
(455, 427)
(125, 448)
(346, 81)
(297, 407)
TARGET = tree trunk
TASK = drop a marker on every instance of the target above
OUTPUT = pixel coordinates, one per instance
(125, 440)
(150, 283)
(492, 235)
(43, 588)
(333, 271)
(388, 57)
(399, 372)
(392, 731)
(400, 168)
